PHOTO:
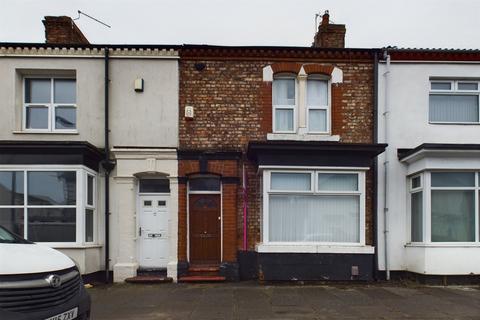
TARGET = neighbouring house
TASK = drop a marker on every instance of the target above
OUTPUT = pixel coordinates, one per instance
(277, 161)
(102, 189)
(429, 183)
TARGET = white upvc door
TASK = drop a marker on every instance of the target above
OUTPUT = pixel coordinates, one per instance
(153, 231)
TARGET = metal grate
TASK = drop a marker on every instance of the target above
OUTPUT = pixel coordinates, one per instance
(36, 293)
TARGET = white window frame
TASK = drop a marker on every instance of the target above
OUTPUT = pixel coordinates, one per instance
(50, 106)
(92, 207)
(412, 191)
(80, 206)
(427, 213)
(327, 108)
(313, 191)
(454, 91)
(294, 107)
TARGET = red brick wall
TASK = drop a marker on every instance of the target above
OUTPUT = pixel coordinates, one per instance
(233, 106)
(62, 30)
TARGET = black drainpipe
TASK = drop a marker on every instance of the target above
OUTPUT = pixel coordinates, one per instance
(375, 164)
(108, 166)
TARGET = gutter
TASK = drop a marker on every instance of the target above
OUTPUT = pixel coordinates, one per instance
(108, 166)
(375, 167)
(386, 112)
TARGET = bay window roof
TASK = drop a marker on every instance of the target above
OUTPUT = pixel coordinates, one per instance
(314, 153)
(50, 152)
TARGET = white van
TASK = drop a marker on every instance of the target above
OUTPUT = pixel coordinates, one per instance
(38, 282)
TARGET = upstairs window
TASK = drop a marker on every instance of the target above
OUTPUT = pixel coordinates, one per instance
(317, 105)
(50, 104)
(284, 102)
(454, 101)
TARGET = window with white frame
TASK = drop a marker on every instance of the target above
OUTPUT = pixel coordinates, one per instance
(314, 207)
(50, 104)
(47, 205)
(416, 209)
(284, 103)
(454, 101)
(318, 105)
(451, 202)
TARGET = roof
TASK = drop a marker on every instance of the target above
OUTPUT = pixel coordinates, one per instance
(403, 154)
(433, 54)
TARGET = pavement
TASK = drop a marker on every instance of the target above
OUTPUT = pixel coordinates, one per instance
(250, 300)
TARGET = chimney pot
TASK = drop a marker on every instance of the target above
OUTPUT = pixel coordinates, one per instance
(325, 18)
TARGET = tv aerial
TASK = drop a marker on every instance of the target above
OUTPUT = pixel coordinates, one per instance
(80, 13)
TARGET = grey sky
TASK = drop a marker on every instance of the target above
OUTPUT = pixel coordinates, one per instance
(370, 23)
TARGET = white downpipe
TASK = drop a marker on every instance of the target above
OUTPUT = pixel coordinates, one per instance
(385, 165)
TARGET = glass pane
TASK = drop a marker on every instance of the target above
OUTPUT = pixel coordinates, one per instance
(416, 182)
(417, 217)
(284, 92)
(12, 219)
(300, 218)
(291, 181)
(154, 186)
(453, 179)
(37, 91)
(284, 120)
(37, 118)
(11, 188)
(90, 188)
(88, 225)
(52, 224)
(453, 216)
(317, 120)
(65, 91)
(52, 187)
(162, 203)
(147, 203)
(441, 85)
(317, 93)
(65, 118)
(467, 86)
(338, 182)
(204, 184)
(453, 108)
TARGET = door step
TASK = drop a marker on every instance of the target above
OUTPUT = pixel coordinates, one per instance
(198, 273)
(201, 279)
(149, 279)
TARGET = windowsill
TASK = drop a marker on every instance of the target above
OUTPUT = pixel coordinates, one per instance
(302, 137)
(455, 123)
(314, 248)
(70, 246)
(44, 132)
(443, 245)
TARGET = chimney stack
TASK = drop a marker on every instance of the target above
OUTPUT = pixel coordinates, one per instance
(329, 35)
(62, 30)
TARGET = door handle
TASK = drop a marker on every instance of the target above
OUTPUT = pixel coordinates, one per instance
(139, 231)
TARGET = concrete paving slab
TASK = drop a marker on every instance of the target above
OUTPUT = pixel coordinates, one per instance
(251, 301)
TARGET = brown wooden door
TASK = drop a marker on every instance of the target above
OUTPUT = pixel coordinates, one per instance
(204, 224)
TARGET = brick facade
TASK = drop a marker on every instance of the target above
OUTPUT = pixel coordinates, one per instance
(233, 105)
(62, 30)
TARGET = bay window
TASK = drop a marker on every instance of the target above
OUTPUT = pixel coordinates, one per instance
(50, 105)
(314, 207)
(454, 101)
(452, 208)
(48, 205)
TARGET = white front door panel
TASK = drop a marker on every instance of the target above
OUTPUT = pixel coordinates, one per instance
(153, 231)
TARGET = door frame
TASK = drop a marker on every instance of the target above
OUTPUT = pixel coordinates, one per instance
(138, 207)
(221, 216)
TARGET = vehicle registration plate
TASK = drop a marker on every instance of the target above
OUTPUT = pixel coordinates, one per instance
(67, 315)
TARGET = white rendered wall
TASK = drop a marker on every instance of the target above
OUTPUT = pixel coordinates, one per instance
(408, 127)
